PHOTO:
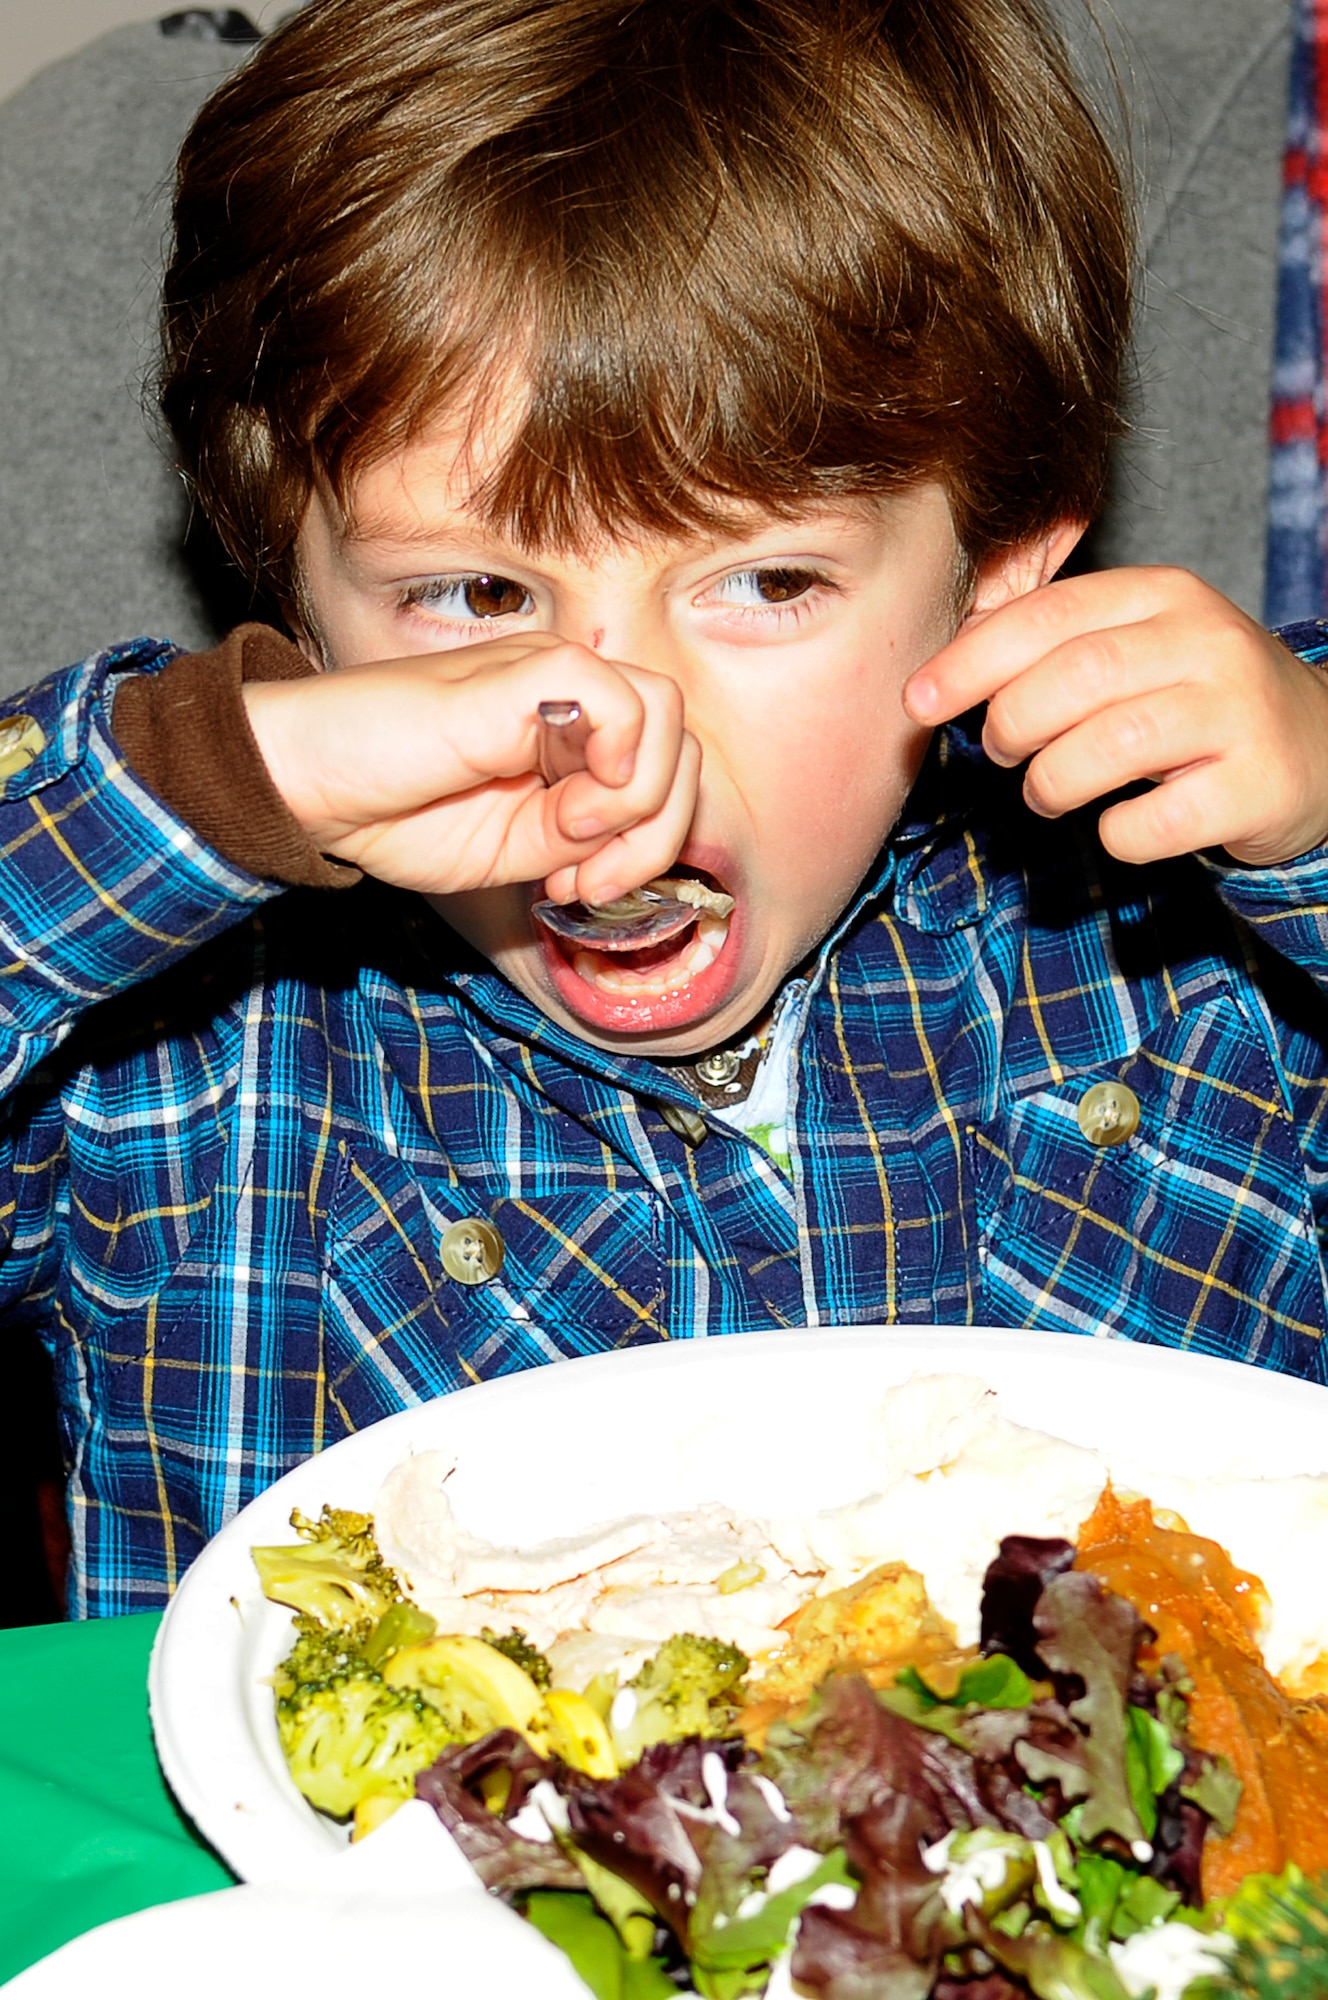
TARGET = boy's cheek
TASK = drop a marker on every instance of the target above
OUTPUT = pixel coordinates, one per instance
(496, 922)
(845, 791)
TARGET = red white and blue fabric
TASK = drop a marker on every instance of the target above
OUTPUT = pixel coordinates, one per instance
(1297, 576)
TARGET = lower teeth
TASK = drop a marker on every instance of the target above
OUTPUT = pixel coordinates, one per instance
(599, 969)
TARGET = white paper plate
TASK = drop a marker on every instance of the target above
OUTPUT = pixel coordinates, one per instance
(772, 1423)
(405, 1900)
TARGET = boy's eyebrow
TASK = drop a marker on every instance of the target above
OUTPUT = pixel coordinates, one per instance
(428, 533)
(360, 534)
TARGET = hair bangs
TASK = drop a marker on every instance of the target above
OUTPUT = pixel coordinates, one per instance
(682, 261)
(674, 365)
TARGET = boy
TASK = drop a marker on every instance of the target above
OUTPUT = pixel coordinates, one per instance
(741, 372)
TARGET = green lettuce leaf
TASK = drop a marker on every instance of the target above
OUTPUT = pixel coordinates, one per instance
(597, 1953)
(996, 1682)
(1151, 1762)
(1088, 1634)
(1117, 1900)
(1052, 1966)
(734, 1957)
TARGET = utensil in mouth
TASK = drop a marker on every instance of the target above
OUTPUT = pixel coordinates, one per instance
(643, 916)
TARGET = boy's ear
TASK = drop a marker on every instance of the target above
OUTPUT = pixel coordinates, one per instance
(1011, 573)
(312, 653)
(298, 627)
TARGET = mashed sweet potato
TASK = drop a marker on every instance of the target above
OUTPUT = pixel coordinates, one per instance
(1209, 1614)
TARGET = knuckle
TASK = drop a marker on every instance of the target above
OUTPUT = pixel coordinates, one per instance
(1095, 665)
(1130, 735)
(1175, 817)
(1175, 589)
(1004, 729)
(573, 648)
(1046, 610)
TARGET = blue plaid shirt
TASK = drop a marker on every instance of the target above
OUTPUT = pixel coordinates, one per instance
(238, 1122)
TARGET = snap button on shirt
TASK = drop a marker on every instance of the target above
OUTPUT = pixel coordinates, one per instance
(720, 1068)
(472, 1251)
(22, 740)
(1108, 1114)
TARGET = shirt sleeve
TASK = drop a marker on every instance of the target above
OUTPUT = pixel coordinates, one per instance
(185, 731)
(1286, 906)
(102, 883)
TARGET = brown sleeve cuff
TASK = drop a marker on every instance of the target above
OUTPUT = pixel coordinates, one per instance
(185, 732)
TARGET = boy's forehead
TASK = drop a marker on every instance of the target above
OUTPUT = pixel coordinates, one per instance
(431, 493)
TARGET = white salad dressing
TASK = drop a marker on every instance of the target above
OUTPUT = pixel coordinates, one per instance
(1163, 1961)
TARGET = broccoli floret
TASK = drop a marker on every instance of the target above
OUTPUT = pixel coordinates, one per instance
(342, 1529)
(473, 1686)
(518, 1649)
(334, 1573)
(686, 1689)
(350, 1738)
(346, 1735)
(321, 1653)
(401, 1625)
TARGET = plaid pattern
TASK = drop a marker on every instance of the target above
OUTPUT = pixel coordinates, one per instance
(238, 1122)
(1297, 586)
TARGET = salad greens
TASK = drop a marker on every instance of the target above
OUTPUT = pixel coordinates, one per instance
(1003, 1840)
(1034, 1831)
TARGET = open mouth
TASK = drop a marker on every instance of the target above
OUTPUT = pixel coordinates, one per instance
(660, 983)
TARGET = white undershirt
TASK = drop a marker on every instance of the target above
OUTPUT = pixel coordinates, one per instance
(763, 1113)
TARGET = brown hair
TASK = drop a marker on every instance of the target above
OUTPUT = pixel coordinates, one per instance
(733, 250)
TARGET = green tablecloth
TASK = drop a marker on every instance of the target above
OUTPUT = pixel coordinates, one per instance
(88, 1830)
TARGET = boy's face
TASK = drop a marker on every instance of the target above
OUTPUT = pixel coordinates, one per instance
(790, 642)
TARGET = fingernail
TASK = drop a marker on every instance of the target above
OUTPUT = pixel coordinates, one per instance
(626, 767)
(608, 892)
(921, 697)
(1035, 805)
(585, 829)
(998, 757)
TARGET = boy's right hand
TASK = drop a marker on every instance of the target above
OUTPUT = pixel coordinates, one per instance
(425, 771)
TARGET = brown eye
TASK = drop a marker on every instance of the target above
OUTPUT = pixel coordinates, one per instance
(494, 596)
(781, 586)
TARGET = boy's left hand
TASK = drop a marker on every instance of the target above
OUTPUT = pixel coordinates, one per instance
(1099, 681)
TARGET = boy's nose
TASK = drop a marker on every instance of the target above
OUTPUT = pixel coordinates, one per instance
(620, 636)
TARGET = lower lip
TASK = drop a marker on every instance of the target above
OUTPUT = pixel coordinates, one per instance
(646, 1013)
